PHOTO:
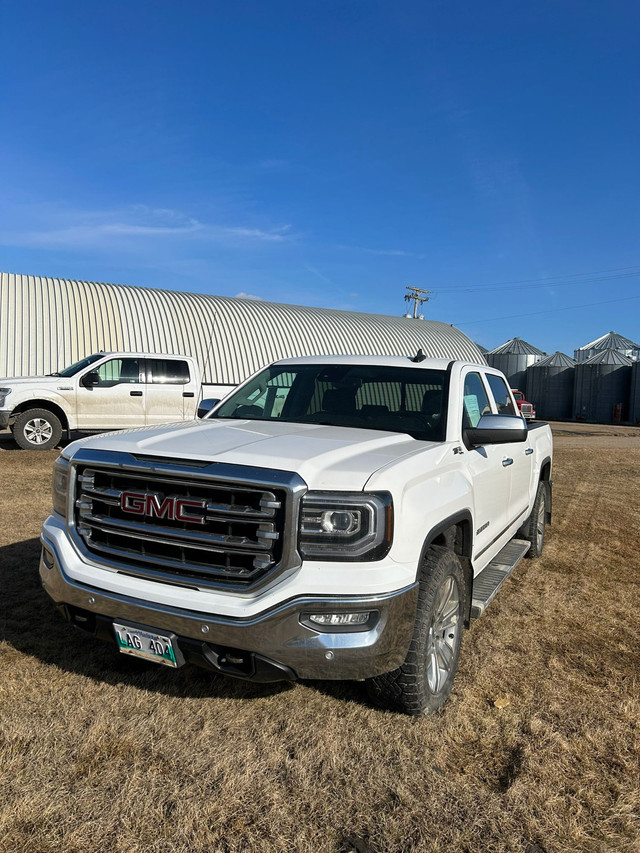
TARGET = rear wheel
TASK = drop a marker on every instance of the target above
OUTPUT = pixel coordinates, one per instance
(423, 682)
(533, 530)
(37, 429)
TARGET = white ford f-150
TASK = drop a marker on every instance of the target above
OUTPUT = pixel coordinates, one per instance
(333, 518)
(106, 390)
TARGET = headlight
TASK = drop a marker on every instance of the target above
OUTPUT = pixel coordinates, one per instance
(345, 526)
(4, 393)
(60, 485)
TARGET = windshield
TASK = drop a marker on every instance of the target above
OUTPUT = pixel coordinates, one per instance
(79, 365)
(393, 399)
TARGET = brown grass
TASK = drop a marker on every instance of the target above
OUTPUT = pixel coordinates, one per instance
(98, 753)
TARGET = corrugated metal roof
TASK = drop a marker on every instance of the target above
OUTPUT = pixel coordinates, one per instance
(49, 323)
(612, 340)
(556, 359)
(516, 346)
(608, 356)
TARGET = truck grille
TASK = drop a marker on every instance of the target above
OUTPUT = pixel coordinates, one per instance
(526, 409)
(180, 528)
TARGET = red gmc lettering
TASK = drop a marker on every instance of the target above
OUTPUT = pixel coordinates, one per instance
(184, 503)
(150, 504)
(133, 502)
(154, 507)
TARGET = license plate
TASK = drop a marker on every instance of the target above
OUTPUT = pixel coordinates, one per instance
(159, 648)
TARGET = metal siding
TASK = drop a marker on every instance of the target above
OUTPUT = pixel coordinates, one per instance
(599, 386)
(47, 324)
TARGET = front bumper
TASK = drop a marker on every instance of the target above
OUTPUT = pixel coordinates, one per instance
(273, 645)
(5, 417)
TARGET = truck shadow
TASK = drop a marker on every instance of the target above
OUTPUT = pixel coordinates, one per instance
(31, 625)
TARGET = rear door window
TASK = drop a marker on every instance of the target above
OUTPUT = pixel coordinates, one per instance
(168, 371)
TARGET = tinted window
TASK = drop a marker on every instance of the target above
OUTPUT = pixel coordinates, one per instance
(393, 399)
(501, 395)
(167, 371)
(476, 402)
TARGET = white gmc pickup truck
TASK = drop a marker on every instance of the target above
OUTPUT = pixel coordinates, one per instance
(333, 518)
(106, 390)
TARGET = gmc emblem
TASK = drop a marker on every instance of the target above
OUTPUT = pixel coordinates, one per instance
(153, 504)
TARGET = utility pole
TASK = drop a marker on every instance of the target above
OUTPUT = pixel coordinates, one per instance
(415, 294)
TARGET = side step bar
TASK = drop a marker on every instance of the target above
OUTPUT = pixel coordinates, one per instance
(491, 578)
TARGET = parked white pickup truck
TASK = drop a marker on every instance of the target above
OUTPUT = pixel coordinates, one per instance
(107, 390)
(334, 518)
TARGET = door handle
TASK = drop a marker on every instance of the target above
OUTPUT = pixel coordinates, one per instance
(506, 462)
(188, 394)
(528, 451)
(135, 393)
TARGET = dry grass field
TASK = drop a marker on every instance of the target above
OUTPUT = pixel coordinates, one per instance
(537, 750)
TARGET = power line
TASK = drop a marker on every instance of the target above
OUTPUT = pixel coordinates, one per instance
(548, 311)
(551, 281)
(415, 294)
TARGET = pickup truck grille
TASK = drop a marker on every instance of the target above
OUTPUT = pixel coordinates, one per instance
(179, 528)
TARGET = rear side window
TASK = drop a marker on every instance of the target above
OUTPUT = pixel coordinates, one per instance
(501, 395)
(167, 371)
(476, 402)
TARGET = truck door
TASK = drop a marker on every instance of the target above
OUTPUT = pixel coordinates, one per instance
(111, 395)
(521, 454)
(489, 476)
(171, 390)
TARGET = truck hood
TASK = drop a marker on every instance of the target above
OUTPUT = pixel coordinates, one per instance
(24, 381)
(326, 457)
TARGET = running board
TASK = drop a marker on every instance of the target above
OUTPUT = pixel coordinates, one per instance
(491, 578)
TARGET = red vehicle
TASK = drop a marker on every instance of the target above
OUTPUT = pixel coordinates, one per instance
(524, 407)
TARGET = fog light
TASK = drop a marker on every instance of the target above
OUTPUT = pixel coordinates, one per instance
(339, 618)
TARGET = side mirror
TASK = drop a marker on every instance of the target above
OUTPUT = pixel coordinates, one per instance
(90, 380)
(497, 429)
(205, 407)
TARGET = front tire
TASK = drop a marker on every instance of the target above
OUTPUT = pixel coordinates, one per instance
(37, 429)
(423, 682)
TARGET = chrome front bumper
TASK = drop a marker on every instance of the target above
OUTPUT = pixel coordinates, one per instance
(276, 636)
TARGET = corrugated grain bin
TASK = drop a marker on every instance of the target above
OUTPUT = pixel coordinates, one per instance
(612, 340)
(513, 358)
(47, 324)
(634, 405)
(602, 388)
(550, 385)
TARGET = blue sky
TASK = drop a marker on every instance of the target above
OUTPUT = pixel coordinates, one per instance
(330, 153)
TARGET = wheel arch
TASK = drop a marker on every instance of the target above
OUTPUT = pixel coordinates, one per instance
(455, 533)
(52, 407)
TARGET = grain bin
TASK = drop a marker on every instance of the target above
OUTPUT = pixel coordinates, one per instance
(602, 388)
(612, 340)
(550, 385)
(634, 406)
(513, 359)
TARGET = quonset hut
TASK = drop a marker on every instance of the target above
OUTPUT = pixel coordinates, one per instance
(602, 388)
(513, 358)
(49, 323)
(550, 384)
(610, 341)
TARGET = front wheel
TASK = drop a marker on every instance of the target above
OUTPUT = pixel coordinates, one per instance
(423, 682)
(37, 429)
